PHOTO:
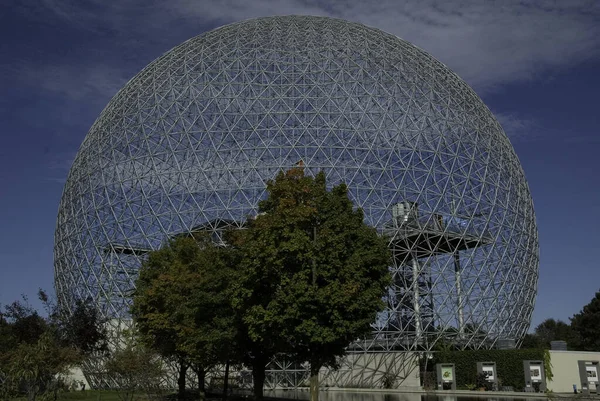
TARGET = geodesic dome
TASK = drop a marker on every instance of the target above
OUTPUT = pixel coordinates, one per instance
(189, 142)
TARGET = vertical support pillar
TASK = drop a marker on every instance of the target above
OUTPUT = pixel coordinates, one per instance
(457, 277)
(416, 307)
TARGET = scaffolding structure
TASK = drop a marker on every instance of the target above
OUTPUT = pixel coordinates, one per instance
(190, 141)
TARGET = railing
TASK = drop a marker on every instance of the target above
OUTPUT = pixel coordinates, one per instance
(437, 223)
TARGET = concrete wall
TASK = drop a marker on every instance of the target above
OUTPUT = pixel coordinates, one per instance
(566, 370)
(374, 370)
(77, 378)
(369, 370)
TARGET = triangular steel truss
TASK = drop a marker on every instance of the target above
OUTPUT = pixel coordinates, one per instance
(190, 141)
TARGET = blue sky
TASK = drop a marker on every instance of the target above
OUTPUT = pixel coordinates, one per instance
(536, 65)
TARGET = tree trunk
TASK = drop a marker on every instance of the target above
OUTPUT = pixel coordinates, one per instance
(201, 380)
(314, 261)
(31, 393)
(258, 376)
(314, 380)
(226, 381)
(181, 380)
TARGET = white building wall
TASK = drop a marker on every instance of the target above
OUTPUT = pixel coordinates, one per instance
(566, 370)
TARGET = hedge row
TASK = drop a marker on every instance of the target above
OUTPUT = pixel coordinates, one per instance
(509, 364)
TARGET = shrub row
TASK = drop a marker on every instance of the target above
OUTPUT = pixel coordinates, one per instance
(509, 364)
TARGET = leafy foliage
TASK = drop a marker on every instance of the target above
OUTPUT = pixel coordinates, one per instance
(509, 364)
(313, 274)
(182, 305)
(583, 333)
(35, 367)
(532, 341)
(36, 352)
(83, 329)
(586, 325)
(135, 368)
(482, 381)
(555, 330)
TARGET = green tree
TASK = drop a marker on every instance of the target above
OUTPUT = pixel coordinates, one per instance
(21, 328)
(313, 273)
(550, 330)
(37, 366)
(586, 325)
(52, 359)
(555, 330)
(22, 324)
(135, 368)
(182, 307)
(37, 351)
(83, 329)
(532, 341)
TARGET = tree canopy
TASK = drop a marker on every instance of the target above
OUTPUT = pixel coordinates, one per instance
(582, 334)
(551, 330)
(84, 328)
(312, 273)
(181, 305)
(37, 351)
(304, 278)
(586, 325)
(135, 368)
(555, 330)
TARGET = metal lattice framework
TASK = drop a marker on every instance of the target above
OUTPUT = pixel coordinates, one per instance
(189, 142)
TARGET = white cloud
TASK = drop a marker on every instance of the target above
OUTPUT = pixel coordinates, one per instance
(487, 43)
(518, 128)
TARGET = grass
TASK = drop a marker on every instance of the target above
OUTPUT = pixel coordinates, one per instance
(113, 395)
(87, 395)
(90, 395)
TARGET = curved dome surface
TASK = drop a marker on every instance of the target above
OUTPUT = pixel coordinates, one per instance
(189, 142)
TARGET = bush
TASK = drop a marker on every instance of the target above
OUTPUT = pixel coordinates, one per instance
(482, 381)
(135, 369)
(428, 380)
(388, 380)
